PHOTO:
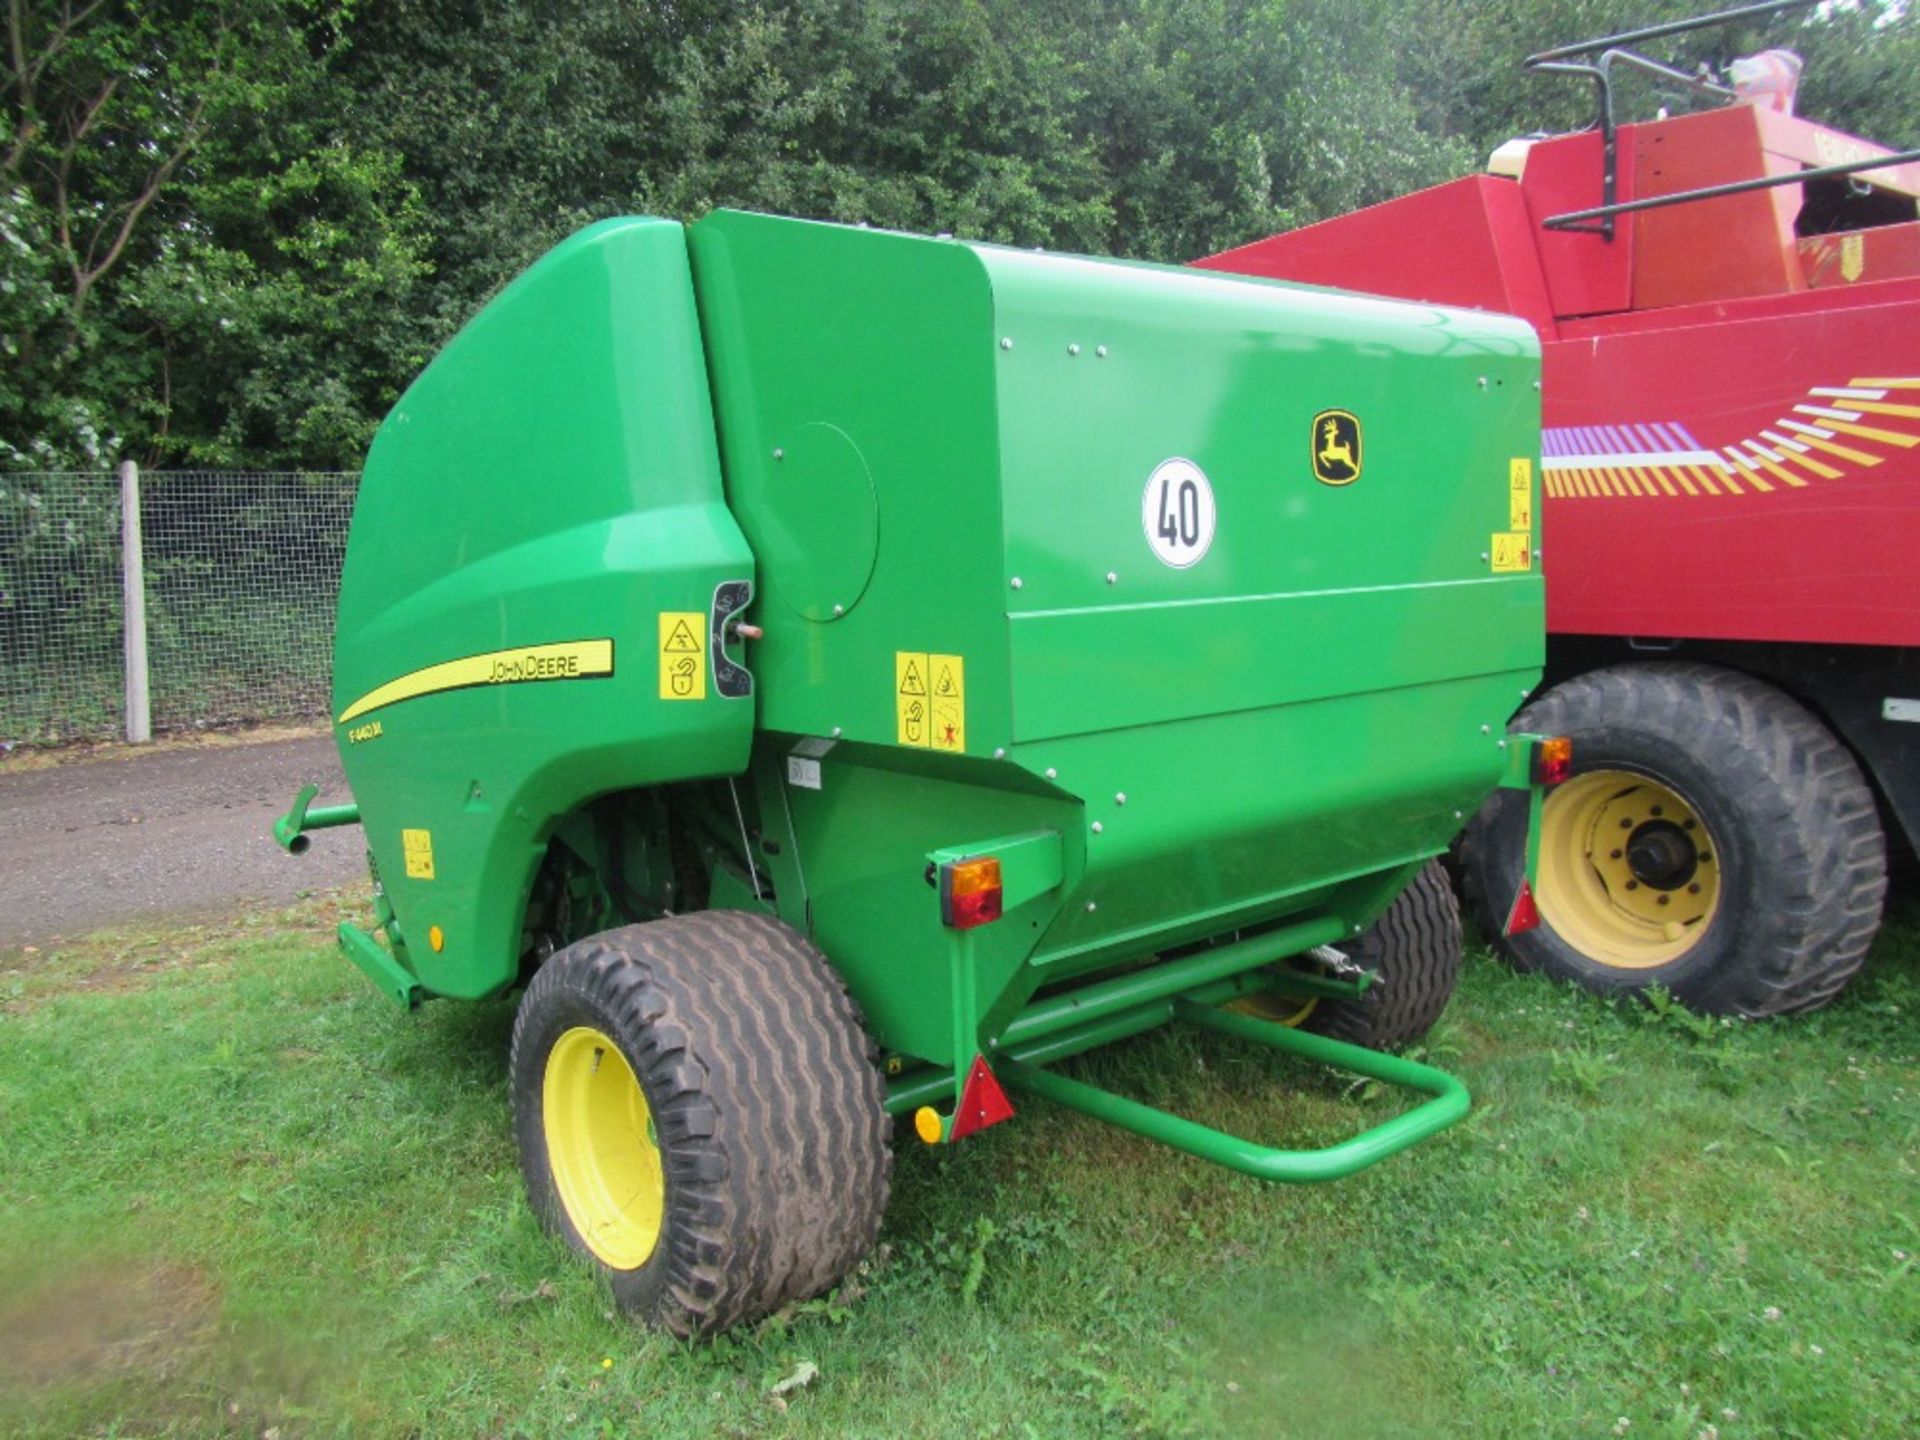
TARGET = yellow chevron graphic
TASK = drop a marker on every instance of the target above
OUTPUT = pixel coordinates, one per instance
(1836, 430)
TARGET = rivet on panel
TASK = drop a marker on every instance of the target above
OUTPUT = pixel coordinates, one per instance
(999, 752)
(1484, 557)
(1006, 342)
(1098, 827)
(836, 732)
(1486, 729)
(1483, 382)
(1092, 906)
(1073, 349)
(1503, 744)
(778, 453)
(1017, 582)
(839, 609)
(1112, 578)
(1100, 351)
(1052, 774)
(1120, 798)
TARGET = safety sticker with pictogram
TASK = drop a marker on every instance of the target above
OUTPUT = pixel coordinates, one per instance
(947, 674)
(683, 659)
(1520, 493)
(417, 848)
(911, 704)
(1511, 552)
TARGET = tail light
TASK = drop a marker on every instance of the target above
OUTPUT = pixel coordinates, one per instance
(970, 892)
(1552, 760)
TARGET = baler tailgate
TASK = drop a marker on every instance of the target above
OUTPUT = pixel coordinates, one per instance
(1335, 1162)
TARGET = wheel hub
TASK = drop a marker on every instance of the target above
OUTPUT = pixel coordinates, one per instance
(1660, 854)
(602, 1149)
(1629, 875)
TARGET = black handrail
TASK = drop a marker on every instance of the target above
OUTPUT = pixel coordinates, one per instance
(1573, 219)
(1559, 61)
(1671, 27)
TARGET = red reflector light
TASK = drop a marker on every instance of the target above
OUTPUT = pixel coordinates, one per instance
(1552, 761)
(970, 892)
(1525, 915)
(982, 1102)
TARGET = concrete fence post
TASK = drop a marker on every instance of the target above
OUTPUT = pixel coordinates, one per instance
(133, 600)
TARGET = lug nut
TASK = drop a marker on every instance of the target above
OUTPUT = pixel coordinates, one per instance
(1657, 810)
(1633, 884)
(1665, 898)
(1693, 889)
(1614, 855)
(1627, 824)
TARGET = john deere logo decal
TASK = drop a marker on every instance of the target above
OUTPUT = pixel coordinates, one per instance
(1336, 447)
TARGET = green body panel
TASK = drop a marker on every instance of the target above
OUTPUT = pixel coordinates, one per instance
(933, 449)
(551, 478)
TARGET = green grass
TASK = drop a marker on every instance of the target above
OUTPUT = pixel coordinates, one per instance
(241, 1195)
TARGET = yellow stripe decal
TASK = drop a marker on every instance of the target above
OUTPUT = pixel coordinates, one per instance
(565, 660)
(1858, 457)
(1746, 468)
(1882, 407)
(1870, 432)
(1773, 468)
(1705, 479)
(1800, 457)
(1904, 384)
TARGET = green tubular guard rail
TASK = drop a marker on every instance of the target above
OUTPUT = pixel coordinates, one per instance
(1336, 1162)
(290, 830)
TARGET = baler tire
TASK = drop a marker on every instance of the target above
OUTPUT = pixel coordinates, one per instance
(759, 1090)
(1795, 838)
(1414, 949)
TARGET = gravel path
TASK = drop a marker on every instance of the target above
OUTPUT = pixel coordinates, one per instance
(131, 836)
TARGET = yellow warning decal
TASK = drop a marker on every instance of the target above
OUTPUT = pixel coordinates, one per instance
(1520, 493)
(948, 677)
(683, 656)
(417, 845)
(1512, 552)
(911, 704)
(567, 660)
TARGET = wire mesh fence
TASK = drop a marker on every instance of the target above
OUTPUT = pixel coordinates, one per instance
(241, 574)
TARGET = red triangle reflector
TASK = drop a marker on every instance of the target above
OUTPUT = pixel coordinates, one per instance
(1525, 915)
(982, 1102)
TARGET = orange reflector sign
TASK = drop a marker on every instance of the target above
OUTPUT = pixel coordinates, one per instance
(982, 1102)
(970, 892)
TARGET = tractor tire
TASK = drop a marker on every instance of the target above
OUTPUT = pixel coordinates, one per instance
(699, 1114)
(1414, 952)
(1714, 839)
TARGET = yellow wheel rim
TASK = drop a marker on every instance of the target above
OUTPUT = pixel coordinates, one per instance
(601, 1148)
(1285, 1010)
(1629, 875)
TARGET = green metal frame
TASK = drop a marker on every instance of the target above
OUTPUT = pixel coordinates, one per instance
(290, 830)
(1263, 1162)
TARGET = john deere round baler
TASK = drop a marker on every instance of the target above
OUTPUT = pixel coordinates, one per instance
(840, 674)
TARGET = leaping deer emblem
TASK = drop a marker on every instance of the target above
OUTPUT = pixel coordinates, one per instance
(1333, 450)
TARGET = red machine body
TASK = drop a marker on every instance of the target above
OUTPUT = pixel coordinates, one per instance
(1728, 304)
(1732, 409)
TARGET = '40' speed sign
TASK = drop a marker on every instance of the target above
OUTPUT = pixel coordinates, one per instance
(1177, 513)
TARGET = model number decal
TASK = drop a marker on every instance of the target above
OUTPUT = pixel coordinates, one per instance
(1177, 513)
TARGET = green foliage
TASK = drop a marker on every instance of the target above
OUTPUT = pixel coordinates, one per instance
(231, 232)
